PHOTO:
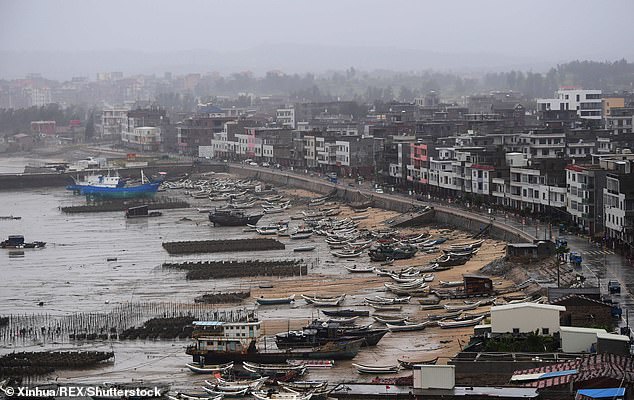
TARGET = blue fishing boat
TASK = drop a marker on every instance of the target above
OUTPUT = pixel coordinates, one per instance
(113, 187)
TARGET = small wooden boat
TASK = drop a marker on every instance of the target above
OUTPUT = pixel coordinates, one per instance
(343, 321)
(313, 364)
(344, 254)
(276, 300)
(346, 313)
(354, 268)
(253, 384)
(408, 326)
(376, 369)
(432, 307)
(219, 390)
(442, 317)
(304, 248)
(389, 319)
(396, 300)
(429, 300)
(460, 323)
(409, 362)
(462, 307)
(185, 396)
(301, 235)
(210, 368)
(304, 385)
(290, 395)
(272, 368)
(309, 299)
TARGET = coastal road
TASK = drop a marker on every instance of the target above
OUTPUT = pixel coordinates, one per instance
(600, 264)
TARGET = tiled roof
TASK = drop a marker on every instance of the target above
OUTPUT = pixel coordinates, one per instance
(594, 366)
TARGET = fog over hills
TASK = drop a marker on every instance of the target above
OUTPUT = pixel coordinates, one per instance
(259, 60)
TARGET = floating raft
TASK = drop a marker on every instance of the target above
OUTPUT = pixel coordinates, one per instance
(216, 246)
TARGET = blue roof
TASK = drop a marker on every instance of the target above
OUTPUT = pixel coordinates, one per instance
(209, 109)
(602, 393)
(558, 373)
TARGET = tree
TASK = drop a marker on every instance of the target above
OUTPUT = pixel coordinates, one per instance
(90, 127)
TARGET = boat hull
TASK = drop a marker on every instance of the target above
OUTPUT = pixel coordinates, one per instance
(126, 192)
(334, 351)
(234, 220)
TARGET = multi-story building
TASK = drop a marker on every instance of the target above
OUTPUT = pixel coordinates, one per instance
(285, 117)
(620, 121)
(618, 202)
(151, 117)
(587, 103)
(585, 196)
(144, 138)
(543, 143)
(113, 121)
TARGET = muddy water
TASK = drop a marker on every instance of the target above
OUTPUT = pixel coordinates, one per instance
(72, 274)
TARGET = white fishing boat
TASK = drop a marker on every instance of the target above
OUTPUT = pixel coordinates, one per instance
(408, 326)
(462, 307)
(376, 369)
(210, 368)
(460, 323)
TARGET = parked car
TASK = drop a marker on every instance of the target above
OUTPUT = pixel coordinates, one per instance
(614, 287)
(254, 164)
(265, 164)
(378, 190)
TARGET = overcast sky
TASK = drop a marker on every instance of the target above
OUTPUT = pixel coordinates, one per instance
(549, 30)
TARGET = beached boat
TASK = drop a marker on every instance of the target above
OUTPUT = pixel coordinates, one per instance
(17, 242)
(141, 212)
(376, 369)
(408, 326)
(310, 299)
(301, 235)
(389, 319)
(271, 395)
(209, 368)
(314, 364)
(304, 248)
(451, 283)
(343, 321)
(460, 323)
(430, 300)
(316, 334)
(462, 307)
(269, 368)
(304, 385)
(233, 218)
(253, 384)
(115, 187)
(346, 313)
(220, 342)
(356, 269)
(186, 396)
(409, 362)
(276, 300)
(226, 392)
(327, 302)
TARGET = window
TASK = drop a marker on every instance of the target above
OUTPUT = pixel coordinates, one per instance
(545, 331)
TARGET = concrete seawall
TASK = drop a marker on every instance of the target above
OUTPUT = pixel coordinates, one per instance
(444, 215)
(42, 180)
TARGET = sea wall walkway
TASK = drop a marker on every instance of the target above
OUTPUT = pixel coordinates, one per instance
(462, 219)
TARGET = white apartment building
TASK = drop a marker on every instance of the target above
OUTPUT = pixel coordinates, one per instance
(540, 144)
(285, 117)
(587, 103)
(113, 121)
(146, 138)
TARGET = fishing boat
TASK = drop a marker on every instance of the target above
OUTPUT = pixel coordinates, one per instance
(408, 326)
(445, 316)
(185, 396)
(275, 300)
(114, 187)
(310, 299)
(409, 362)
(220, 342)
(343, 321)
(356, 269)
(304, 248)
(376, 369)
(17, 242)
(268, 369)
(461, 323)
(226, 392)
(301, 235)
(232, 217)
(313, 364)
(432, 307)
(141, 212)
(210, 368)
(451, 283)
(272, 395)
(253, 384)
(304, 385)
(346, 313)
(389, 319)
(430, 300)
(462, 307)
(327, 302)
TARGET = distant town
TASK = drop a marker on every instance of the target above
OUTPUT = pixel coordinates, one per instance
(563, 155)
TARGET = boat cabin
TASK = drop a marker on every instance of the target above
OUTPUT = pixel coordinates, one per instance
(224, 336)
(476, 285)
